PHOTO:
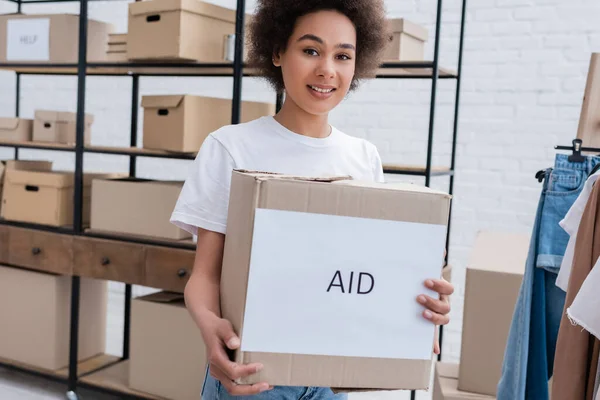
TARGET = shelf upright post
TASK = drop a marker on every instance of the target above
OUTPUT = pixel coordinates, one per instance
(454, 138)
(78, 197)
(434, 84)
(238, 62)
(135, 93)
(19, 6)
(18, 99)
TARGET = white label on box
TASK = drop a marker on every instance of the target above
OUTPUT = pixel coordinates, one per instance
(340, 286)
(28, 39)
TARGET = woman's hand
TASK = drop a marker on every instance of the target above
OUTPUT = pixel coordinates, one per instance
(219, 336)
(437, 310)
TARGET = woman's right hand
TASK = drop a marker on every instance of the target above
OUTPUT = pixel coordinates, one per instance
(219, 335)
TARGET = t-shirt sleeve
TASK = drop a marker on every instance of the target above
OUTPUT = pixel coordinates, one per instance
(377, 166)
(204, 198)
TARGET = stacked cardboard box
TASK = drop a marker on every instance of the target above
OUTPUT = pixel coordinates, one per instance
(117, 47)
(16, 129)
(60, 127)
(52, 38)
(493, 279)
(407, 41)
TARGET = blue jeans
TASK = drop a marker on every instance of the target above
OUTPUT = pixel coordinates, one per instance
(529, 355)
(213, 390)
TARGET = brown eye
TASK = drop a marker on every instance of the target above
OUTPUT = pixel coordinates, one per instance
(311, 52)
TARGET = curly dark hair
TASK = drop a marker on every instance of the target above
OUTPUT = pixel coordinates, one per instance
(274, 22)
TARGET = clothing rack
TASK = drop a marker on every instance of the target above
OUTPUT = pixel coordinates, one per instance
(75, 377)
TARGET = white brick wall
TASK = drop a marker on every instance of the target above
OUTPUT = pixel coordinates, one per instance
(524, 73)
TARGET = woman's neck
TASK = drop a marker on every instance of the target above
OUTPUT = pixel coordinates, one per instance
(299, 121)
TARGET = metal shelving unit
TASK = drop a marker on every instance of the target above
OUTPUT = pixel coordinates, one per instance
(427, 70)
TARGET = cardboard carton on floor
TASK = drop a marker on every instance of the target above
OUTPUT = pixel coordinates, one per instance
(136, 206)
(445, 385)
(407, 42)
(35, 326)
(59, 127)
(168, 356)
(493, 280)
(44, 197)
(180, 123)
(52, 38)
(17, 129)
(188, 30)
(320, 278)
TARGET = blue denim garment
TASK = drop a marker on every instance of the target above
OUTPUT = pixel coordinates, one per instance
(213, 390)
(529, 355)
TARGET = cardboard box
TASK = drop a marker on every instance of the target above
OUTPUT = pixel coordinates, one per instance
(308, 258)
(117, 38)
(17, 129)
(44, 197)
(52, 38)
(445, 385)
(136, 206)
(407, 41)
(168, 356)
(181, 122)
(493, 280)
(23, 165)
(59, 127)
(188, 30)
(35, 326)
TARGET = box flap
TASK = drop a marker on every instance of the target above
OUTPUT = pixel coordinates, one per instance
(171, 101)
(60, 116)
(162, 297)
(265, 176)
(9, 123)
(29, 165)
(447, 370)
(500, 252)
(193, 6)
(34, 178)
(401, 25)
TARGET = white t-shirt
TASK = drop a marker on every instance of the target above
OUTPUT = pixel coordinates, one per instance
(267, 146)
(571, 224)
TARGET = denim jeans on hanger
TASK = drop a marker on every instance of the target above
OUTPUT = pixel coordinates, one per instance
(529, 355)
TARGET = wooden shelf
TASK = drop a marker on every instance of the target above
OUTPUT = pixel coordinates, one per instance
(414, 170)
(186, 243)
(137, 151)
(390, 69)
(37, 145)
(116, 379)
(84, 367)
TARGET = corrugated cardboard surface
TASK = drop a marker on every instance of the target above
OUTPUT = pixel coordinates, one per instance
(445, 385)
(178, 30)
(493, 280)
(23, 165)
(17, 129)
(64, 37)
(168, 355)
(342, 197)
(44, 197)
(35, 326)
(136, 206)
(59, 127)
(182, 122)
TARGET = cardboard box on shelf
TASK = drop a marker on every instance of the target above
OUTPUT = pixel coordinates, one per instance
(23, 165)
(117, 56)
(44, 197)
(35, 327)
(187, 30)
(117, 48)
(306, 258)
(136, 206)
(59, 127)
(180, 123)
(445, 385)
(407, 41)
(492, 284)
(163, 335)
(51, 38)
(117, 38)
(17, 129)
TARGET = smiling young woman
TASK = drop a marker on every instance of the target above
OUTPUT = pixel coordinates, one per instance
(315, 52)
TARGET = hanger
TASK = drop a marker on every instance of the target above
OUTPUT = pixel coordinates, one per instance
(576, 148)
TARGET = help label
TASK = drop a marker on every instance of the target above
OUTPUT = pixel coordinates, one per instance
(28, 40)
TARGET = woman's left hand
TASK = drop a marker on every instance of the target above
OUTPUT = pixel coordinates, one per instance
(437, 310)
